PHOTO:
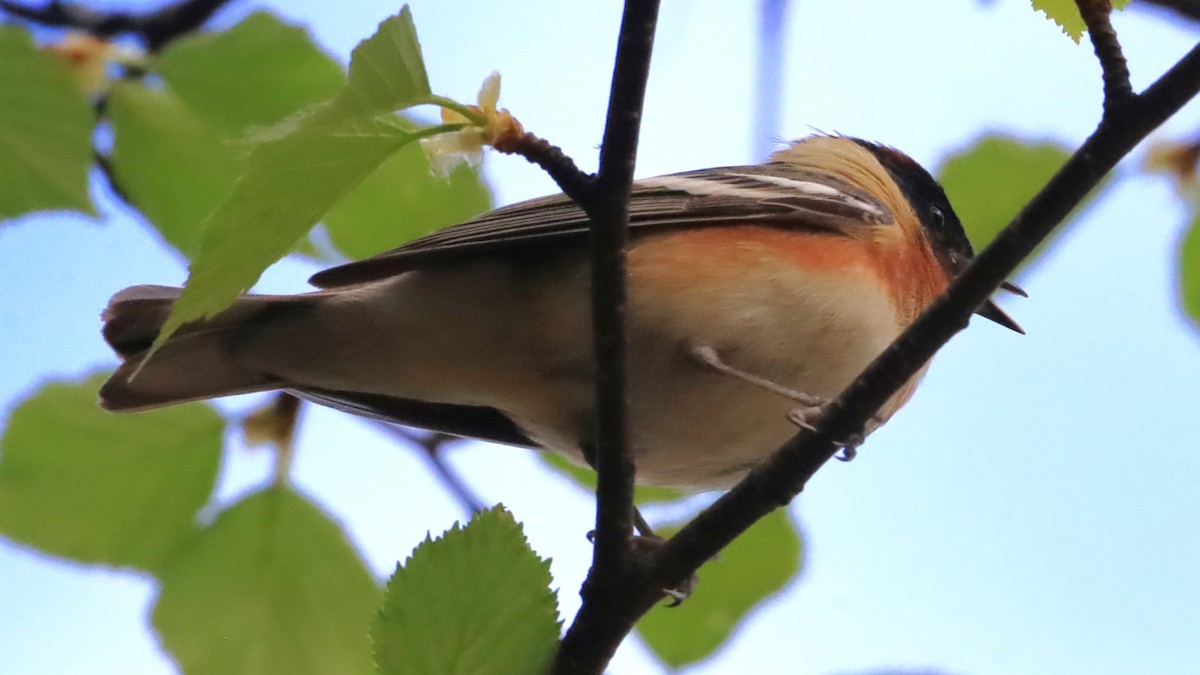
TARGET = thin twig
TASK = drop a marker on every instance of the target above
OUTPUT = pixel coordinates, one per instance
(574, 183)
(274, 424)
(1097, 16)
(613, 562)
(104, 163)
(768, 82)
(156, 28)
(432, 445)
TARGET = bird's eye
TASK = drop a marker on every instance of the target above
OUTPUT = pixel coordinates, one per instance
(937, 216)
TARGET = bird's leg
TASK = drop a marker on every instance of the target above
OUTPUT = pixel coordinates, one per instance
(803, 415)
(643, 528)
(645, 541)
(706, 356)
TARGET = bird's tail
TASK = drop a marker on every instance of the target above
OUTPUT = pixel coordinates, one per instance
(197, 362)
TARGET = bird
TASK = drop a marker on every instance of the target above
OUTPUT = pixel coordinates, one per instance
(755, 295)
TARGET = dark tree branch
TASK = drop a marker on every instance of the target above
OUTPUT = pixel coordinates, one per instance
(1097, 16)
(1189, 9)
(610, 215)
(782, 476)
(615, 564)
(156, 28)
(433, 444)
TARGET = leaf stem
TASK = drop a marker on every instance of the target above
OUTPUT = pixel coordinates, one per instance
(426, 132)
(472, 113)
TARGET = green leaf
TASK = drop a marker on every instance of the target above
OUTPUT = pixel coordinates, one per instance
(288, 185)
(45, 131)
(169, 162)
(755, 566)
(256, 73)
(402, 201)
(477, 600)
(302, 167)
(175, 154)
(387, 71)
(271, 587)
(1065, 13)
(1189, 271)
(991, 180)
(586, 478)
(81, 483)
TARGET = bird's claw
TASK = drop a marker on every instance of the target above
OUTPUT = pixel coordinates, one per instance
(805, 417)
(645, 545)
(680, 593)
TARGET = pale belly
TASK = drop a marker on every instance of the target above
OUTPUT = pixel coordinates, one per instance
(519, 340)
(692, 427)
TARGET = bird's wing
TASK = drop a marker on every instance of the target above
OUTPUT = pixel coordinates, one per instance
(775, 195)
(484, 423)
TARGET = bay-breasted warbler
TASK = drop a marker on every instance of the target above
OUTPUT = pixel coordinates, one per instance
(755, 293)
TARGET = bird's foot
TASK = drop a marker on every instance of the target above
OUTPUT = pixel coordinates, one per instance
(806, 417)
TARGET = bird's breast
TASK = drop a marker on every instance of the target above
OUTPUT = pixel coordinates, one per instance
(807, 311)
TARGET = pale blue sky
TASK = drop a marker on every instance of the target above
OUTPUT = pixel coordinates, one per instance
(1033, 510)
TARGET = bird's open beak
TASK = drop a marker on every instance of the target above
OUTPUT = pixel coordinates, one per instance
(990, 310)
(1014, 289)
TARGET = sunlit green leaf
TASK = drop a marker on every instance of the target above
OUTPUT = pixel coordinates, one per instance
(387, 71)
(45, 131)
(586, 478)
(1065, 13)
(302, 167)
(476, 600)
(754, 567)
(402, 201)
(288, 185)
(255, 73)
(271, 587)
(79, 482)
(169, 162)
(1189, 271)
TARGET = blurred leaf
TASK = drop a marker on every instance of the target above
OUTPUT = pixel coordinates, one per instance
(586, 478)
(302, 167)
(255, 73)
(45, 131)
(1189, 271)
(1178, 159)
(990, 181)
(476, 600)
(401, 201)
(271, 587)
(169, 162)
(81, 483)
(755, 566)
(1066, 14)
(175, 152)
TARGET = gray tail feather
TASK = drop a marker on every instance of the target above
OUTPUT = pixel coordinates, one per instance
(196, 363)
